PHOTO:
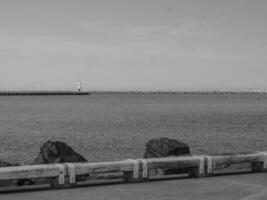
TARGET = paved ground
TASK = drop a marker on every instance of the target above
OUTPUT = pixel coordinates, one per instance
(237, 187)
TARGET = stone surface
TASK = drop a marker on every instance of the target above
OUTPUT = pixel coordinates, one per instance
(163, 147)
(55, 152)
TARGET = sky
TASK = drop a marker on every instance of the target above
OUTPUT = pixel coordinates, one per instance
(129, 45)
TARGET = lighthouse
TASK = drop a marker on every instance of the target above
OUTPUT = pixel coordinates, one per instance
(79, 86)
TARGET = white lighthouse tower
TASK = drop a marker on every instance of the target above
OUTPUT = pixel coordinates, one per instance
(79, 86)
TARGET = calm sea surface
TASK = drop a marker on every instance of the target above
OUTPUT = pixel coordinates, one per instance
(116, 126)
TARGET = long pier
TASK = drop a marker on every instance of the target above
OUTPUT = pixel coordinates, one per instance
(41, 93)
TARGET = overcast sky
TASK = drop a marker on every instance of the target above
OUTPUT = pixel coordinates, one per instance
(133, 44)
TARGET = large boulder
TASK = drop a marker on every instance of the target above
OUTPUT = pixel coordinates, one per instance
(55, 152)
(163, 147)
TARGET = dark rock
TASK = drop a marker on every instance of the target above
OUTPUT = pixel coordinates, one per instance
(55, 152)
(163, 147)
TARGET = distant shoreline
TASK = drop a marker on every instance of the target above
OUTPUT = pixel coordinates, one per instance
(181, 92)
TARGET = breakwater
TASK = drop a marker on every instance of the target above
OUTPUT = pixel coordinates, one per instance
(41, 93)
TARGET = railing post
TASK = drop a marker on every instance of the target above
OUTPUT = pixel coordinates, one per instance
(260, 166)
(139, 173)
(208, 165)
(66, 178)
(198, 171)
(144, 171)
(59, 181)
(131, 176)
(71, 174)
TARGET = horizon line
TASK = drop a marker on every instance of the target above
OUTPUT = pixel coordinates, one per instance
(152, 91)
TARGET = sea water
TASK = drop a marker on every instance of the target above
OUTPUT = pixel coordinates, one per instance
(105, 127)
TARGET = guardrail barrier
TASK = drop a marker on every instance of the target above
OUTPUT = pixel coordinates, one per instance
(64, 175)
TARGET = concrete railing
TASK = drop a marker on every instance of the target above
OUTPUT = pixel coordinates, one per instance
(133, 170)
